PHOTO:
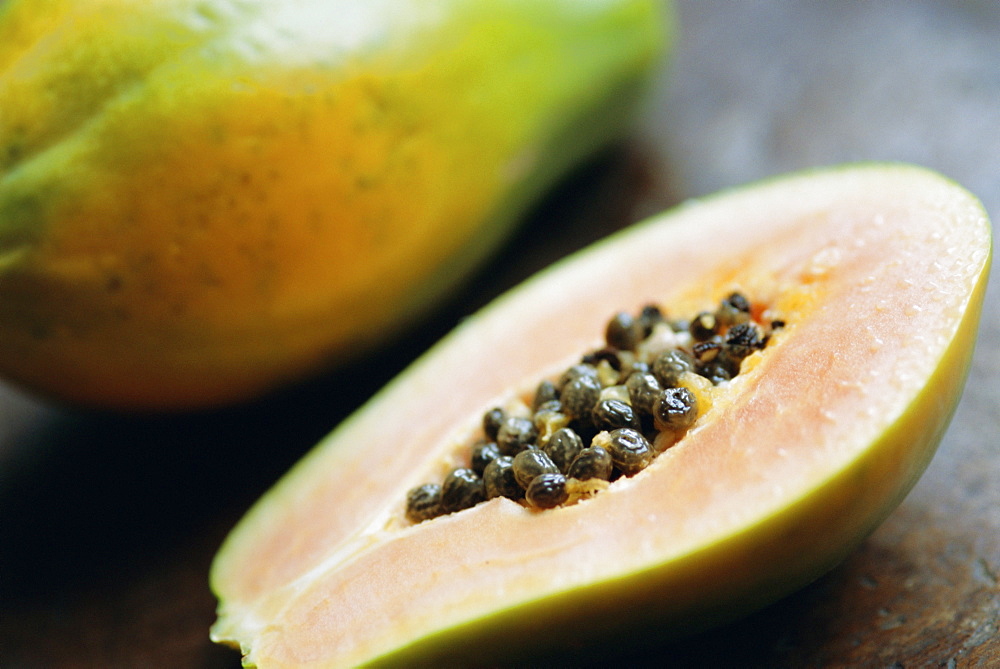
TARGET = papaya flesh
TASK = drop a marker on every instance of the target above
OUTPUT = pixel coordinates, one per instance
(202, 200)
(878, 271)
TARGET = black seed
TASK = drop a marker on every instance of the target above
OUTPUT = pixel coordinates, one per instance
(738, 301)
(716, 371)
(499, 480)
(575, 372)
(591, 463)
(643, 390)
(563, 447)
(546, 392)
(670, 366)
(530, 463)
(580, 395)
(743, 339)
(706, 351)
(423, 502)
(649, 317)
(676, 409)
(547, 491)
(777, 324)
(482, 453)
(462, 489)
(703, 326)
(610, 355)
(491, 422)
(733, 310)
(622, 332)
(613, 414)
(515, 435)
(633, 367)
(630, 451)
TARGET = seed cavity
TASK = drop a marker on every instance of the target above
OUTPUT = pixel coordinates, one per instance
(607, 416)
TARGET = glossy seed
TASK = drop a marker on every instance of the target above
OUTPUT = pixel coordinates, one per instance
(648, 318)
(423, 502)
(574, 372)
(462, 489)
(592, 462)
(676, 409)
(491, 422)
(716, 371)
(580, 395)
(706, 351)
(643, 391)
(545, 392)
(733, 310)
(547, 491)
(515, 434)
(611, 414)
(703, 326)
(482, 453)
(630, 451)
(499, 481)
(612, 357)
(670, 366)
(530, 463)
(743, 339)
(622, 332)
(563, 446)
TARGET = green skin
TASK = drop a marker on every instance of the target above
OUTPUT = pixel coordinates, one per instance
(200, 201)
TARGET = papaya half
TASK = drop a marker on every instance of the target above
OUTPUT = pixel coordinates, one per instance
(864, 284)
(201, 200)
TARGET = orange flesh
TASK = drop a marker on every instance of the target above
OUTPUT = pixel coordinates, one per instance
(877, 272)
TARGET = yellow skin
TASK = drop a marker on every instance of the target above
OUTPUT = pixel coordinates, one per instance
(200, 201)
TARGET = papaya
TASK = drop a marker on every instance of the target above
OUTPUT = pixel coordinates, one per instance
(865, 283)
(204, 200)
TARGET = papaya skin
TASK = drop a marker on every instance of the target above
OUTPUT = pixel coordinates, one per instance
(203, 201)
(881, 272)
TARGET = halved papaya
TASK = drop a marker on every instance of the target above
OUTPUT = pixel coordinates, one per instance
(877, 273)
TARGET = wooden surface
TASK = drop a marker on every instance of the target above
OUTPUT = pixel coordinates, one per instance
(108, 523)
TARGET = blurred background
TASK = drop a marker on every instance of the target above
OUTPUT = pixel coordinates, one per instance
(108, 523)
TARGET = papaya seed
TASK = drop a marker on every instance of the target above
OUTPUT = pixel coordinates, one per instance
(515, 434)
(462, 489)
(482, 454)
(676, 409)
(592, 462)
(563, 447)
(499, 481)
(630, 451)
(531, 463)
(423, 502)
(611, 414)
(491, 422)
(547, 491)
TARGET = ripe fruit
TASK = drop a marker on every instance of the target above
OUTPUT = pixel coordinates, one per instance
(201, 200)
(875, 277)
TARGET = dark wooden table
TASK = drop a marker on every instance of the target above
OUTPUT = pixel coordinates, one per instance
(108, 523)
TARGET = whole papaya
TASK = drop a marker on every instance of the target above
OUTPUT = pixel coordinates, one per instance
(201, 200)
